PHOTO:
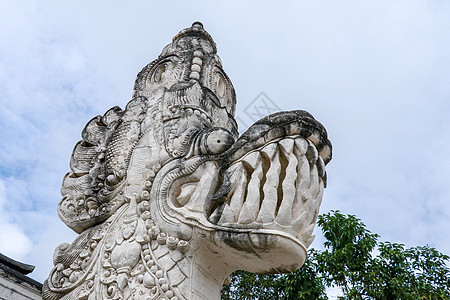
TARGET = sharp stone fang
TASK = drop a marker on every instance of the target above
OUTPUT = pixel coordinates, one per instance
(270, 188)
(320, 167)
(319, 195)
(301, 145)
(245, 216)
(270, 150)
(253, 195)
(313, 189)
(216, 215)
(312, 154)
(237, 197)
(285, 211)
(299, 222)
(227, 215)
(287, 145)
(304, 179)
(253, 159)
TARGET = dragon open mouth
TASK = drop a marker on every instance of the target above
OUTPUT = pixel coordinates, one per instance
(278, 186)
(272, 178)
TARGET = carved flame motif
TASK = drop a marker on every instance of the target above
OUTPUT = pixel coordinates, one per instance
(168, 200)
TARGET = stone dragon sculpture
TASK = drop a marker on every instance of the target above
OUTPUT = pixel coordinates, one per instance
(168, 200)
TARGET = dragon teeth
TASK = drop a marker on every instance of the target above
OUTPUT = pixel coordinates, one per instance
(270, 188)
(301, 146)
(325, 153)
(299, 222)
(321, 167)
(272, 172)
(313, 189)
(284, 216)
(302, 182)
(253, 199)
(312, 154)
(270, 150)
(246, 216)
(253, 159)
(237, 198)
(227, 215)
(287, 145)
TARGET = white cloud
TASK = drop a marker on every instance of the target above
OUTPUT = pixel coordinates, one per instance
(13, 240)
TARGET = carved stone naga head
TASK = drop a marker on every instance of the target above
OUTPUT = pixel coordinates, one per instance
(168, 200)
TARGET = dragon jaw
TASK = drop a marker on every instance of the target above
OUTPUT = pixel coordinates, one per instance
(259, 197)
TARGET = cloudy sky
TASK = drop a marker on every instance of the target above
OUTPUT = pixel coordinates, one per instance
(375, 73)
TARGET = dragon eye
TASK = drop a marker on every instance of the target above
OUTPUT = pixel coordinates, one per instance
(159, 73)
(220, 86)
(216, 141)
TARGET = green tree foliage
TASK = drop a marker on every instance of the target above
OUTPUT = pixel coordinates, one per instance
(302, 284)
(349, 263)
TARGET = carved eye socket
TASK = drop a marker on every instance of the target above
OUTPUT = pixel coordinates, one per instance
(159, 73)
(216, 141)
(221, 87)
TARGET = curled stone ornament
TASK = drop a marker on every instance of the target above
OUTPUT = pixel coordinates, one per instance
(168, 200)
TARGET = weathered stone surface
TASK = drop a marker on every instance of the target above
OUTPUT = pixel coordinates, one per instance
(168, 200)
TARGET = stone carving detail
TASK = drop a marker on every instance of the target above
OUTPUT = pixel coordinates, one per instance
(168, 200)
